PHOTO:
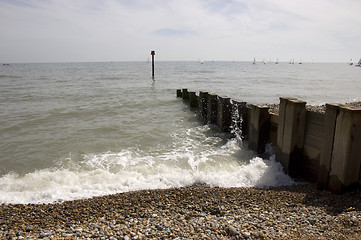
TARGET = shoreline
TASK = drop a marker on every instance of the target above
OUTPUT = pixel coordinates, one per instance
(293, 212)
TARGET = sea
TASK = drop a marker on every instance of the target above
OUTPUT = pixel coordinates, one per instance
(78, 130)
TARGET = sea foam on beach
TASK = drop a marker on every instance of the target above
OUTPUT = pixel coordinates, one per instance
(223, 163)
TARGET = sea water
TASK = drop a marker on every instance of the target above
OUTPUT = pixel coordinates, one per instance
(78, 130)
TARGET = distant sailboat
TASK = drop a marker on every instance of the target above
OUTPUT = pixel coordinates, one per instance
(200, 61)
(276, 61)
(350, 63)
(254, 60)
(358, 63)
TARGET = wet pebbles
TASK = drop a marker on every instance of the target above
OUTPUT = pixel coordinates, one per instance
(274, 108)
(197, 212)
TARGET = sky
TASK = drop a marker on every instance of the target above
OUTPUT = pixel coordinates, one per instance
(179, 30)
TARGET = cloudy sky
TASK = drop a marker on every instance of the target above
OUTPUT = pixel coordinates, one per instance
(127, 30)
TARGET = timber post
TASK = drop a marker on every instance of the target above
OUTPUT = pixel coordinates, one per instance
(290, 134)
(193, 100)
(212, 109)
(329, 126)
(203, 105)
(258, 127)
(346, 154)
(224, 113)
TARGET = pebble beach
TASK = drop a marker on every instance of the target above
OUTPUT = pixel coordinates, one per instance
(196, 212)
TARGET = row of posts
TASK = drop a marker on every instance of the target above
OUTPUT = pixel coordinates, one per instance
(339, 164)
(251, 121)
(230, 115)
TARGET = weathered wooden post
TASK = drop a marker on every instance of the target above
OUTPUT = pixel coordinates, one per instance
(179, 93)
(258, 128)
(273, 129)
(224, 114)
(240, 117)
(212, 108)
(203, 104)
(346, 153)
(152, 53)
(185, 94)
(193, 100)
(329, 126)
(290, 134)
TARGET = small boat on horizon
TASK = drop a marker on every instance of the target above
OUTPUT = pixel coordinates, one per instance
(350, 63)
(358, 63)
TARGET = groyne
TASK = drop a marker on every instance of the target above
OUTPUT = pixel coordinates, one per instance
(317, 146)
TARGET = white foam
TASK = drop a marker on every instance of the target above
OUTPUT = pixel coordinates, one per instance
(194, 157)
(50, 185)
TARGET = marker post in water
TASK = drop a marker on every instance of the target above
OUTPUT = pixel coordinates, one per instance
(152, 53)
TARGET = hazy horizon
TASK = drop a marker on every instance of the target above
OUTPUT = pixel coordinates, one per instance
(36, 31)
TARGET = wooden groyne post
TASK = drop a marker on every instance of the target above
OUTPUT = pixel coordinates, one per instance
(259, 127)
(203, 105)
(212, 109)
(290, 134)
(240, 117)
(193, 100)
(185, 94)
(311, 145)
(224, 114)
(343, 161)
(331, 113)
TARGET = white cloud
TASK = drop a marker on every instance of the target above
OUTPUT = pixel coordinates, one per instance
(91, 30)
